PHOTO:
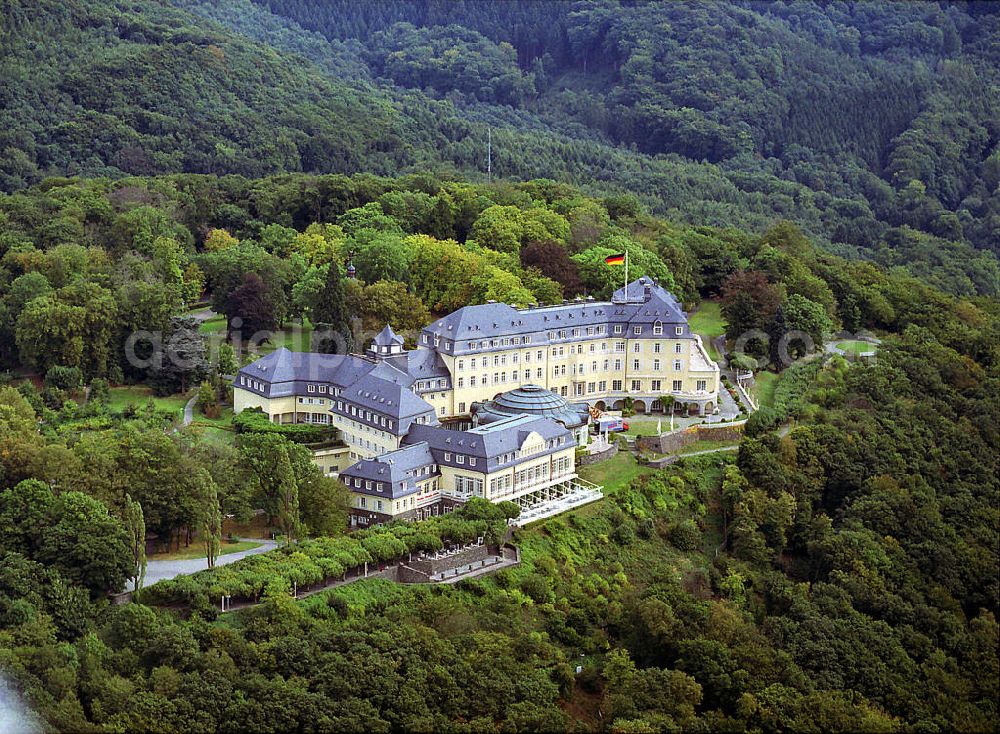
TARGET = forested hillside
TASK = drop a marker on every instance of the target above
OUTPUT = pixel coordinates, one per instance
(839, 573)
(872, 126)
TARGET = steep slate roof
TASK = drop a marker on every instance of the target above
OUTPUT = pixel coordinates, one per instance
(391, 469)
(387, 338)
(647, 302)
(282, 365)
(376, 386)
(490, 442)
(383, 396)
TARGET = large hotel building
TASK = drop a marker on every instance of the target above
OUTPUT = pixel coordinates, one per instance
(399, 410)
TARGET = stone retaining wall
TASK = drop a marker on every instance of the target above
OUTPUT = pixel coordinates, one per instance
(673, 442)
(462, 558)
(588, 459)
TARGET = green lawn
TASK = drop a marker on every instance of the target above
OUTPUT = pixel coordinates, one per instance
(708, 322)
(614, 473)
(645, 426)
(852, 346)
(293, 336)
(764, 385)
(195, 551)
(138, 395)
(224, 420)
(213, 325)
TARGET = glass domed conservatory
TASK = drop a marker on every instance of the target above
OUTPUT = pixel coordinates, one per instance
(536, 401)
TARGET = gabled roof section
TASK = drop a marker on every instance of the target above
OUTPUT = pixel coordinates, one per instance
(385, 397)
(469, 322)
(393, 466)
(649, 301)
(425, 363)
(489, 442)
(283, 365)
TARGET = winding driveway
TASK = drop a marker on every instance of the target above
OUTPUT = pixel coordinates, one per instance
(163, 570)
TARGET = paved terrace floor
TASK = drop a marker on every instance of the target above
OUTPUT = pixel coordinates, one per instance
(492, 564)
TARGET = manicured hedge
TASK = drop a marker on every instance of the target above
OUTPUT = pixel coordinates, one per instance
(316, 561)
(253, 420)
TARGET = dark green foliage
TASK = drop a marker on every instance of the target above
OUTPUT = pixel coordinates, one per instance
(251, 303)
(253, 420)
(64, 378)
(858, 126)
(330, 312)
(685, 535)
(180, 359)
(73, 533)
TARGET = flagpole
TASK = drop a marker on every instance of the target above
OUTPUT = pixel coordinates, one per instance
(626, 276)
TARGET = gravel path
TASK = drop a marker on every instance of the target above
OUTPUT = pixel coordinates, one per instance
(163, 570)
(189, 410)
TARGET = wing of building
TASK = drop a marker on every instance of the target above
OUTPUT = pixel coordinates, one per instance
(395, 410)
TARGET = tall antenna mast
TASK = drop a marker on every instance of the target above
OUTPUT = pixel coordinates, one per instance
(489, 155)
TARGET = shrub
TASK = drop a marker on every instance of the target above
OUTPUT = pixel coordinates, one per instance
(623, 534)
(537, 588)
(339, 605)
(64, 378)
(99, 391)
(253, 420)
(762, 421)
(685, 535)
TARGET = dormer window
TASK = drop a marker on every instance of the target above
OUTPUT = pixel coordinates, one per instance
(678, 330)
(657, 328)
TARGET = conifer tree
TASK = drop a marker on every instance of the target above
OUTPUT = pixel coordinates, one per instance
(135, 524)
(330, 315)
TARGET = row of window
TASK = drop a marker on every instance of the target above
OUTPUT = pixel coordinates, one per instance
(252, 383)
(576, 333)
(365, 414)
(439, 384)
(655, 386)
(500, 360)
(560, 370)
(507, 341)
(468, 486)
(618, 329)
(460, 458)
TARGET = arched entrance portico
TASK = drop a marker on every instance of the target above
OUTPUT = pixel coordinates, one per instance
(639, 406)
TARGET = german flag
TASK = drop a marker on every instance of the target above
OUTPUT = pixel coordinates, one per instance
(615, 259)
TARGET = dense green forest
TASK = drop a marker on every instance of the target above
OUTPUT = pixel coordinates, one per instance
(839, 573)
(197, 171)
(873, 126)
